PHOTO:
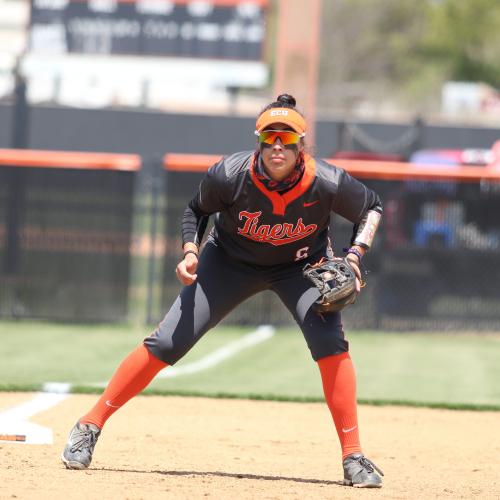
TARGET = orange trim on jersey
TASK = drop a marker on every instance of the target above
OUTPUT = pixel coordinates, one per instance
(279, 201)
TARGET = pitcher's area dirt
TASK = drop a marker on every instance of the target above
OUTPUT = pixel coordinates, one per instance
(190, 448)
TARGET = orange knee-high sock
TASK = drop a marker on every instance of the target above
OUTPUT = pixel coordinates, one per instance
(339, 386)
(132, 376)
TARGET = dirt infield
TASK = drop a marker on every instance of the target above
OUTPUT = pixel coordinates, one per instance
(189, 448)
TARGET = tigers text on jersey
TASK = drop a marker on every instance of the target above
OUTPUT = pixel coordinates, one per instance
(262, 227)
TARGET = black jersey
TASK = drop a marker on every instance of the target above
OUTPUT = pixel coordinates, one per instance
(263, 227)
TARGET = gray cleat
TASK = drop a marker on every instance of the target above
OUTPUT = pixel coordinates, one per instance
(361, 472)
(81, 441)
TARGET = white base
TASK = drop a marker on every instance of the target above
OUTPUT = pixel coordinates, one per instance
(14, 424)
(24, 433)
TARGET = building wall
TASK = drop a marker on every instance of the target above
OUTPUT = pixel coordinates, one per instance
(153, 133)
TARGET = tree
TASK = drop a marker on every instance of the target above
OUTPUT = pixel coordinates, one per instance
(376, 50)
(464, 37)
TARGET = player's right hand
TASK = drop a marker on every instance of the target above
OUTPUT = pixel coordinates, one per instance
(186, 269)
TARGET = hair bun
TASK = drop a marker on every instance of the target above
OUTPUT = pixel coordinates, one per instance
(287, 99)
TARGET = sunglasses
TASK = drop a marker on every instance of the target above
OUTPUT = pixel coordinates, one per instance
(287, 137)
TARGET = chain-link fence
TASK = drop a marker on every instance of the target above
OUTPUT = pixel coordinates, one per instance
(439, 255)
(102, 245)
(65, 239)
(434, 265)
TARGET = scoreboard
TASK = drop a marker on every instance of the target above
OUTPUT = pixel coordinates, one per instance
(217, 29)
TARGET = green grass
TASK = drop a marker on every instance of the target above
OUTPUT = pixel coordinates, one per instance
(436, 370)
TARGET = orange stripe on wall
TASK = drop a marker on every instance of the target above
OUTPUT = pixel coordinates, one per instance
(358, 168)
(69, 159)
(405, 171)
(189, 162)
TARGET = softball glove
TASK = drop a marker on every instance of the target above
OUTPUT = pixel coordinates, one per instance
(336, 281)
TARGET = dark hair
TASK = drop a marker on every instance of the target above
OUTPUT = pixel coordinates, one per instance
(283, 101)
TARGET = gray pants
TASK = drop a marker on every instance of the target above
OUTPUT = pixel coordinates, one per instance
(222, 284)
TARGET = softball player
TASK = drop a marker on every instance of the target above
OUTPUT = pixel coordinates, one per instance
(272, 209)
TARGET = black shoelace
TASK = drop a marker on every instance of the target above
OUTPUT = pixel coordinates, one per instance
(369, 465)
(87, 439)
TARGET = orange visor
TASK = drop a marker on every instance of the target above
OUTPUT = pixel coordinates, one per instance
(287, 116)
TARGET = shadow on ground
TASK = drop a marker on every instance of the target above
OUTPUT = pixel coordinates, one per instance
(234, 475)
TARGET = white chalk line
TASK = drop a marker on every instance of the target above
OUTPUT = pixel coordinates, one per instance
(14, 425)
(14, 422)
(42, 401)
(262, 334)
